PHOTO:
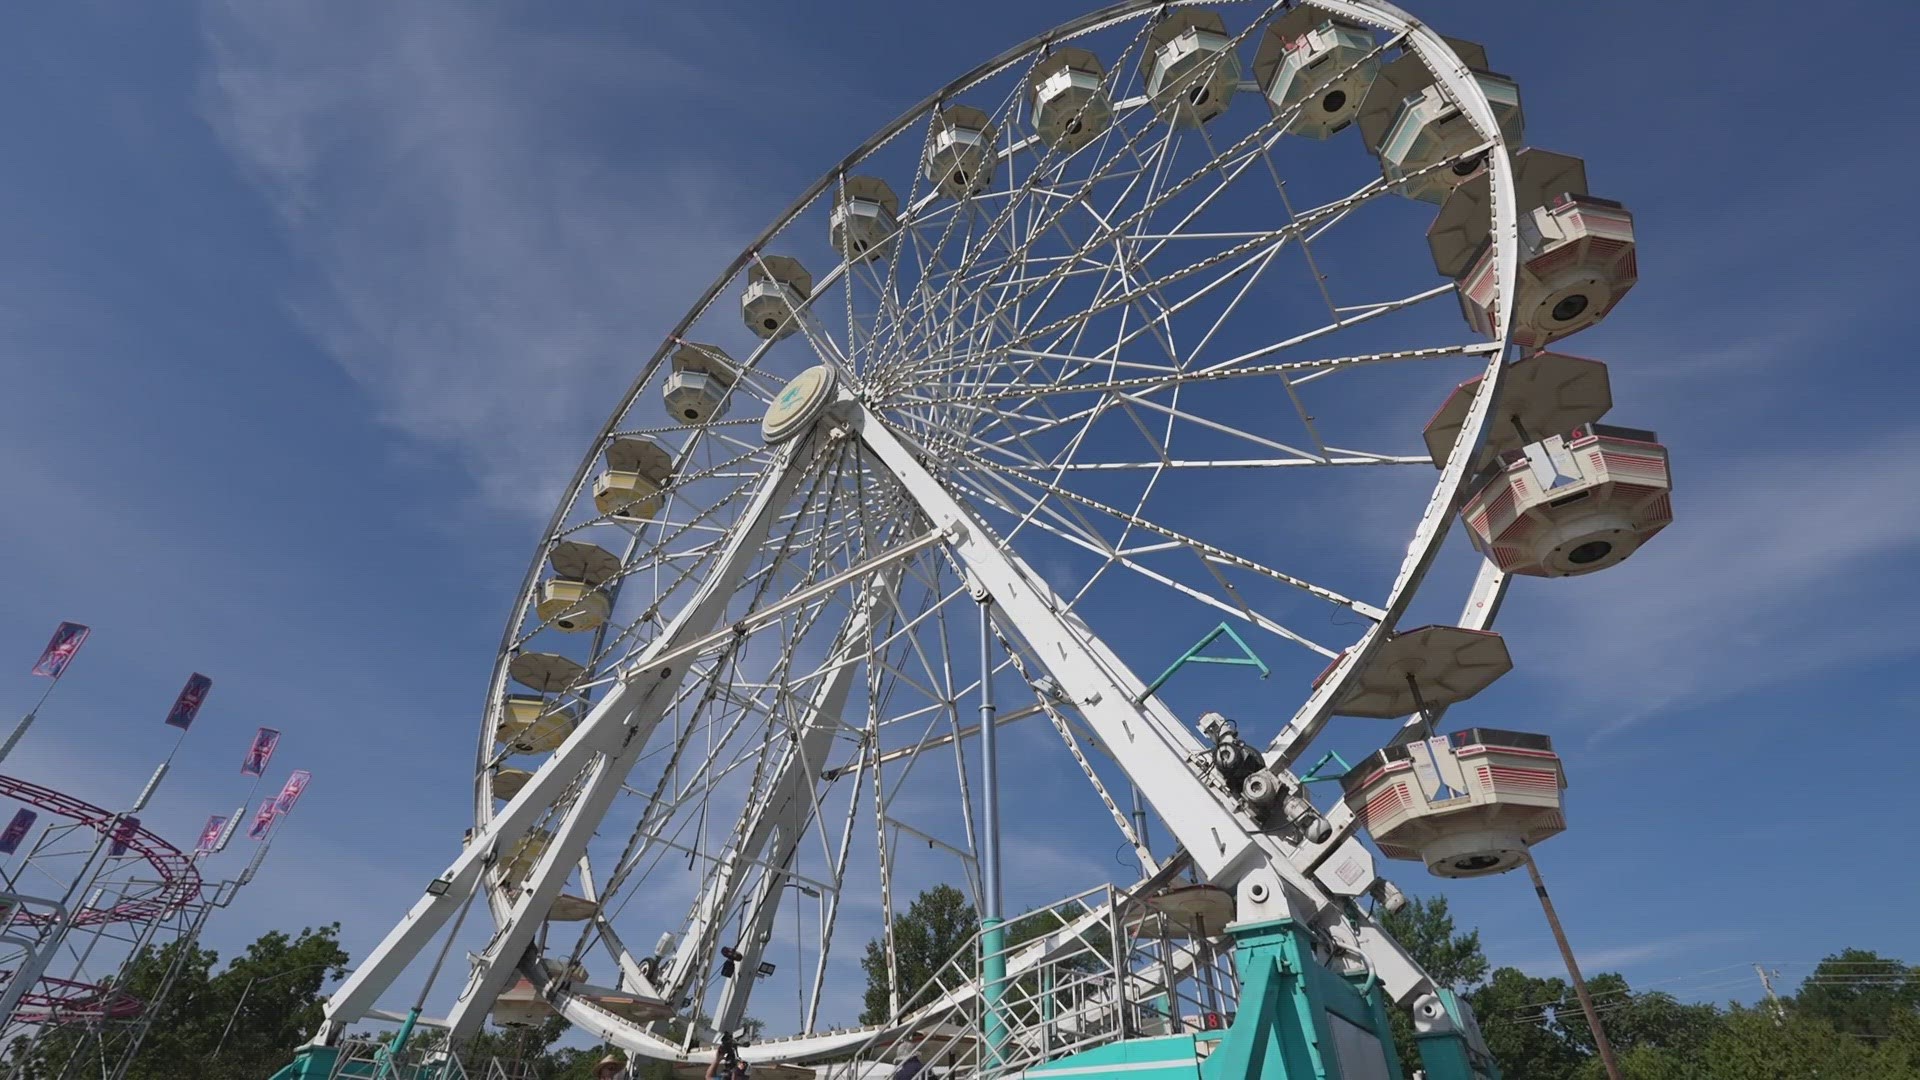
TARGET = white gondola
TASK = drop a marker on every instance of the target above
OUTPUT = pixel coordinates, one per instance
(1069, 99)
(1191, 71)
(520, 1005)
(959, 157)
(508, 781)
(561, 972)
(548, 673)
(1459, 234)
(1466, 804)
(1577, 260)
(696, 392)
(524, 855)
(573, 598)
(1320, 66)
(1410, 122)
(638, 470)
(534, 725)
(1427, 667)
(1572, 504)
(1539, 394)
(777, 287)
(569, 908)
(865, 217)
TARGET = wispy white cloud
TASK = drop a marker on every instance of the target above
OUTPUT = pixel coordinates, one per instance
(1741, 592)
(1628, 957)
(480, 263)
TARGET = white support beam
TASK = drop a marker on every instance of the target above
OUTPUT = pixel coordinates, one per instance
(777, 822)
(618, 731)
(357, 995)
(1146, 739)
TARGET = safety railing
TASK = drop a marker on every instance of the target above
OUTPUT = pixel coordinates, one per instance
(1082, 972)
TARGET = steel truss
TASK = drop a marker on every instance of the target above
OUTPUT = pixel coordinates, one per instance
(779, 623)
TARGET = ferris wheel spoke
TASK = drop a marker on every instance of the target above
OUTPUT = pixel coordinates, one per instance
(1205, 550)
(1366, 314)
(777, 821)
(1124, 558)
(1166, 377)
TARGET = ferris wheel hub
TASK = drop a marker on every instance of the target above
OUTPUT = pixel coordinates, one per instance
(798, 404)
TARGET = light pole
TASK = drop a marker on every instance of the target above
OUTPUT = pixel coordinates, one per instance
(1573, 970)
(799, 947)
(238, 1005)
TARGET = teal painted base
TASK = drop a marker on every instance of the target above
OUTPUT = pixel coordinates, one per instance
(310, 1063)
(993, 980)
(1450, 1057)
(317, 1063)
(1297, 1020)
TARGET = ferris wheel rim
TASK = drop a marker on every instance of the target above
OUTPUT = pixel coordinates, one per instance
(1383, 15)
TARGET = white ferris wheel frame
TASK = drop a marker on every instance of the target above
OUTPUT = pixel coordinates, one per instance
(1150, 744)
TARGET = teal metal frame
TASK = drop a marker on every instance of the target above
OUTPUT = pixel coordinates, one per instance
(1193, 656)
(1285, 1027)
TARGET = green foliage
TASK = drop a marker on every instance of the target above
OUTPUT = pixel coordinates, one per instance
(1424, 928)
(1526, 1023)
(271, 993)
(1857, 1017)
(1752, 1044)
(926, 936)
(1860, 993)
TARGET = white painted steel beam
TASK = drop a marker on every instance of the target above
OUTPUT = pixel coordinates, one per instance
(776, 823)
(605, 729)
(650, 686)
(1147, 740)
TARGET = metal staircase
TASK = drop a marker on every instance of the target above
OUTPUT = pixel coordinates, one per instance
(1088, 970)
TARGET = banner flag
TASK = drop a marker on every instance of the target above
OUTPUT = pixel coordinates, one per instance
(262, 821)
(290, 794)
(59, 652)
(260, 752)
(187, 705)
(210, 835)
(17, 830)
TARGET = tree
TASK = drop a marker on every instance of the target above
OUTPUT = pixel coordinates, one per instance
(1752, 1044)
(1860, 993)
(934, 927)
(271, 992)
(1525, 1022)
(280, 977)
(1425, 929)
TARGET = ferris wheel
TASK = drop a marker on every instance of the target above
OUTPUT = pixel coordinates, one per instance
(1159, 320)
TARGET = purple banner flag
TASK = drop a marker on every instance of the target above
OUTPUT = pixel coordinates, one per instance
(290, 794)
(260, 752)
(123, 835)
(17, 830)
(59, 652)
(210, 835)
(262, 821)
(187, 705)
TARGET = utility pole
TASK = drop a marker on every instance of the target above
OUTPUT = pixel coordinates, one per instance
(1773, 1000)
(1573, 971)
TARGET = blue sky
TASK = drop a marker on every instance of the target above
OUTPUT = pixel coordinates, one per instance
(306, 312)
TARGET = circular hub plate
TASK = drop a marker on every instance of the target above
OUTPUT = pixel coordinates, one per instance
(798, 405)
